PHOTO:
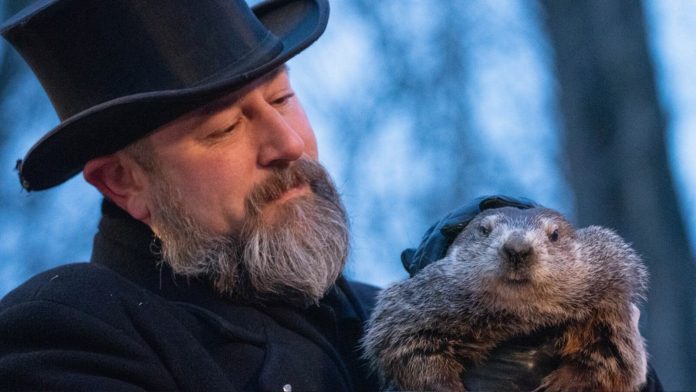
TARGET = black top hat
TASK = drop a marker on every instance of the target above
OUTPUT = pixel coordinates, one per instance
(116, 70)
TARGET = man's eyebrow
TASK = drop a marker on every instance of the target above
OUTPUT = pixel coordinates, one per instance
(225, 101)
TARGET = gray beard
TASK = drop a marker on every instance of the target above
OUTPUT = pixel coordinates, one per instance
(294, 258)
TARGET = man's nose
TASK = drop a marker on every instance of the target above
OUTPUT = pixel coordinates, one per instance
(279, 141)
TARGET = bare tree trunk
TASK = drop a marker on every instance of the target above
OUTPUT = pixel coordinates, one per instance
(619, 171)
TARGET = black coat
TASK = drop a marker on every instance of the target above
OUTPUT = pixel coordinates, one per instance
(120, 322)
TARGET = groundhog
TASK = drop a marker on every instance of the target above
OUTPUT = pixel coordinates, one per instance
(510, 273)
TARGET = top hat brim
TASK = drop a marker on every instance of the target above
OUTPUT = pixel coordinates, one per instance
(110, 126)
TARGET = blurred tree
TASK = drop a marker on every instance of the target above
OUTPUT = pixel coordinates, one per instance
(619, 170)
(415, 55)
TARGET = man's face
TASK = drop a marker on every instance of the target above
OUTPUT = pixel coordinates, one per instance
(236, 195)
(215, 155)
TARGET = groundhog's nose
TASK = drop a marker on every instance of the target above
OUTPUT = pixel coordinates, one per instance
(517, 250)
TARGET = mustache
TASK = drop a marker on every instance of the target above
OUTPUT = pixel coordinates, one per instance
(304, 171)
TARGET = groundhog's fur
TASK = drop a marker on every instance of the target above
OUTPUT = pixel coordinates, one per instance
(510, 273)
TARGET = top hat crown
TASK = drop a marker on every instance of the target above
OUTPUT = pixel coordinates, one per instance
(116, 70)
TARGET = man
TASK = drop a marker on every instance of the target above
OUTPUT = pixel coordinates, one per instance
(218, 259)
(217, 265)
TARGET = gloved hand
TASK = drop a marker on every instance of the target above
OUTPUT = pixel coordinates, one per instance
(441, 234)
(520, 364)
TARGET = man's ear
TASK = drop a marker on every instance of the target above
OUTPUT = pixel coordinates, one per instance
(121, 180)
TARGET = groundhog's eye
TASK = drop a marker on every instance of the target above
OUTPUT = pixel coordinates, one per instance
(553, 237)
(484, 230)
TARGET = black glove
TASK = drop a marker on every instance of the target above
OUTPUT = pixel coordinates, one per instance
(521, 364)
(440, 235)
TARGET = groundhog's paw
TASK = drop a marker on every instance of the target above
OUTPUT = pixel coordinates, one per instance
(567, 379)
(429, 385)
(435, 382)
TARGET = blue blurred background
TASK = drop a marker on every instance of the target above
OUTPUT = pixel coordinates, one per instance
(586, 107)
